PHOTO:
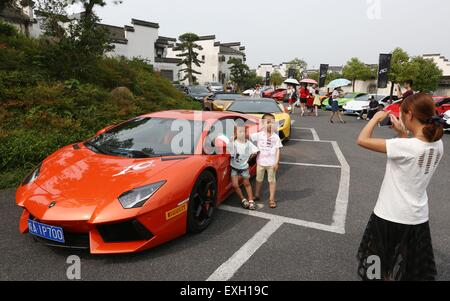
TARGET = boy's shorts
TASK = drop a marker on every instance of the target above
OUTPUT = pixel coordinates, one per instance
(261, 172)
(245, 173)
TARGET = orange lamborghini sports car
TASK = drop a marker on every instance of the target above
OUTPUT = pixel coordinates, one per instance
(133, 186)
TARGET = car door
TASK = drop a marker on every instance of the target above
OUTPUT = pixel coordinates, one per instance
(222, 127)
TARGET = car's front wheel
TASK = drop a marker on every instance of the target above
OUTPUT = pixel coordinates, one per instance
(202, 203)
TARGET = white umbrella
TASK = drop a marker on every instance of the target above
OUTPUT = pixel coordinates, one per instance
(292, 81)
(337, 83)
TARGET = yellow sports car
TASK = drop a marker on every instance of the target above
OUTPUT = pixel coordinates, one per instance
(219, 101)
(259, 106)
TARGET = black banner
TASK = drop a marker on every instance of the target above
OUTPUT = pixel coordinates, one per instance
(323, 74)
(384, 68)
(267, 78)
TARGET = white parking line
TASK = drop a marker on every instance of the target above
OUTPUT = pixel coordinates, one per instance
(313, 131)
(340, 210)
(311, 165)
(283, 219)
(232, 265)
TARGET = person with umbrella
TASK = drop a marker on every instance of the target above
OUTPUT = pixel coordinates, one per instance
(336, 85)
(335, 105)
(291, 92)
(304, 94)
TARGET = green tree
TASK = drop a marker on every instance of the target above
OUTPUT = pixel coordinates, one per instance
(276, 79)
(189, 55)
(424, 72)
(357, 70)
(398, 61)
(239, 72)
(299, 66)
(73, 50)
(252, 79)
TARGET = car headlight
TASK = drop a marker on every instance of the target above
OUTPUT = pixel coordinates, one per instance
(137, 197)
(281, 123)
(365, 107)
(33, 175)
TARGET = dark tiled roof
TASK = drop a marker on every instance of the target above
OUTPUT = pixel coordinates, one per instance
(231, 44)
(14, 15)
(167, 60)
(228, 50)
(242, 48)
(204, 38)
(129, 28)
(167, 39)
(117, 33)
(144, 23)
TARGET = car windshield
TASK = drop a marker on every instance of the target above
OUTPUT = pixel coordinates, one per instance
(350, 95)
(227, 96)
(198, 89)
(216, 84)
(255, 106)
(368, 97)
(149, 137)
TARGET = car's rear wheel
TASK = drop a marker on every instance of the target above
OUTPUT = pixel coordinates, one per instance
(202, 203)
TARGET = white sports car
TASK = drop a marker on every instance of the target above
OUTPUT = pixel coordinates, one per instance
(360, 105)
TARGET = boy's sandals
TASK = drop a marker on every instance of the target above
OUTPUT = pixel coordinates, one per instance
(252, 205)
(245, 204)
(272, 204)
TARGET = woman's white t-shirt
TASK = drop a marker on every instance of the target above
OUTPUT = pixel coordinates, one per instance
(411, 164)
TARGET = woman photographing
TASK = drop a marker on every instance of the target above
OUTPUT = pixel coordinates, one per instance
(398, 231)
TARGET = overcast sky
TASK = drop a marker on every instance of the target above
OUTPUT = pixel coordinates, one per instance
(318, 31)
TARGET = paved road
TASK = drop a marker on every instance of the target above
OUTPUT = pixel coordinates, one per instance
(313, 235)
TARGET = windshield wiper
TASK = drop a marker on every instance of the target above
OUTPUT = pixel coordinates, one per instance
(95, 148)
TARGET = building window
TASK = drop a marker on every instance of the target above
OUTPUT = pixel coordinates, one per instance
(203, 58)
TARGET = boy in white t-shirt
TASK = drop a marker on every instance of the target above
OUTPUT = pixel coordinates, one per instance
(269, 145)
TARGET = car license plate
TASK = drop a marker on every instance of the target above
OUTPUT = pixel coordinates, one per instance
(349, 111)
(46, 231)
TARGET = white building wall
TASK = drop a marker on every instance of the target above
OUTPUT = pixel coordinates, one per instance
(262, 69)
(210, 67)
(224, 67)
(141, 42)
(441, 62)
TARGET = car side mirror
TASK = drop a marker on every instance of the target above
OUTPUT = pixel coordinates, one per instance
(104, 130)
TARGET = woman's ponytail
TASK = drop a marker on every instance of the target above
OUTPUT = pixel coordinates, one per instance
(422, 106)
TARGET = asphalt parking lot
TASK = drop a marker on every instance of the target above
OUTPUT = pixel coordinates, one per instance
(327, 189)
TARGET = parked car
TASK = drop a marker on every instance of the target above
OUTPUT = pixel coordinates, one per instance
(215, 87)
(360, 105)
(279, 94)
(447, 120)
(271, 91)
(198, 93)
(126, 189)
(259, 106)
(442, 106)
(219, 101)
(248, 92)
(343, 100)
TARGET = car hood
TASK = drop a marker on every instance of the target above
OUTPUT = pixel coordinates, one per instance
(85, 175)
(199, 94)
(356, 105)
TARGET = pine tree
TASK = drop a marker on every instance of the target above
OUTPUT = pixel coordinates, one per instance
(189, 56)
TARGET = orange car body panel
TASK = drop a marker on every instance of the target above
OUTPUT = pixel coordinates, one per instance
(86, 185)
